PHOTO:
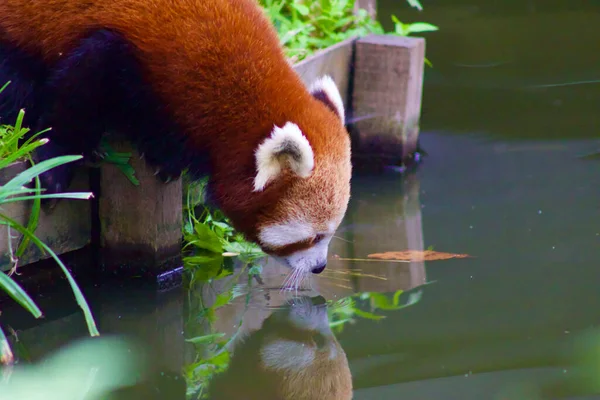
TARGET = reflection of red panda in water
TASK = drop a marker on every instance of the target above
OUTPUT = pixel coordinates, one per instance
(196, 84)
(293, 356)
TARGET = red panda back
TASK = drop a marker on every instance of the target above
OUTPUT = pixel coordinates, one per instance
(193, 50)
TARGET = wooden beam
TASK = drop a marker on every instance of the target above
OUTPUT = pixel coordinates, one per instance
(140, 225)
(387, 91)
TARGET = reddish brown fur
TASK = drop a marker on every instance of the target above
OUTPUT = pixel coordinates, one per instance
(248, 378)
(219, 69)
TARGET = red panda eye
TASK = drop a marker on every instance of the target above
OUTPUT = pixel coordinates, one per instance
(318, 238)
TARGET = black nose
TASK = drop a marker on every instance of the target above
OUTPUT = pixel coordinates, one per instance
(319, 269)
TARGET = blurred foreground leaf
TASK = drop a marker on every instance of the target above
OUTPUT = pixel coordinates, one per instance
(86, 370)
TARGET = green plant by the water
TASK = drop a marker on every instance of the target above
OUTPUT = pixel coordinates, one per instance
(209, 236)
(213, 348)
(18, 189)
(306, 27)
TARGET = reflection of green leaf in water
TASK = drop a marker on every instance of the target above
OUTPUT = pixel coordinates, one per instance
(6, 354)
(199, 373)
(206, 339)
(381, 300)
(204, 268)
(590, 156)
(343, 310)
(222, 299)
(255, 270)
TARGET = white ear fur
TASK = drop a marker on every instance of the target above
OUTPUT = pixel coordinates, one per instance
(325, 86)
(285, 145)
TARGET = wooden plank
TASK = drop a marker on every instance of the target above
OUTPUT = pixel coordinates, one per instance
(334, 61)
(387, 84)
(140, 226)
(65, 228)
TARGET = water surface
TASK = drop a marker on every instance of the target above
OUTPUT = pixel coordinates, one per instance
(508, 109)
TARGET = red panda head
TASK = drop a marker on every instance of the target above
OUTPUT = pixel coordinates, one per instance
(293, 356)
(306, 161)
(292, 194)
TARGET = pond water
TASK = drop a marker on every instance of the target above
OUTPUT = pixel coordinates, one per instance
(509, 107)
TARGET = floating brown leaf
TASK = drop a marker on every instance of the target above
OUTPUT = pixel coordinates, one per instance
(416, 255)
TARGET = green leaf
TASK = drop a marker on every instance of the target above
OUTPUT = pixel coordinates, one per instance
(74, 195)
(255, 270)
(4, 87)
(416, 4)
(33, 219)
(421, 27)
(30, 173)
(302, 9)
(368, 315)
(15, 291)
(222, 300)
(207, 239)
(206, 339)
(21, 153)
(6, 355)
(89, 319)
(204, 268)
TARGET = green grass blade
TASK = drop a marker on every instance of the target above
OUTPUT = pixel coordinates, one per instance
(33, 218)
(76, 291)
(4, 87)
(19, 124)
(29, 174)
(22, 152)
(6, 355)
(6, 193)
(15, 291)
(74, 195)
(34, 137)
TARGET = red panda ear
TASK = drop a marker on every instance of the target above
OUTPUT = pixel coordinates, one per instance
(325, 90)
(286, 147)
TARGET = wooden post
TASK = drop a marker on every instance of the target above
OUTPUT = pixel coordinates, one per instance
(140, 225)
(387, 91)
(369, 5)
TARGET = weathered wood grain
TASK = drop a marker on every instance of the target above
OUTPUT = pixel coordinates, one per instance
(387, 85)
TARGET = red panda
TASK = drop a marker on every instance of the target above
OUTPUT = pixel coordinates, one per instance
(196, 85)
(294, 355)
